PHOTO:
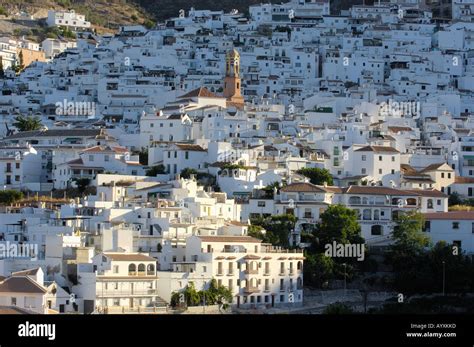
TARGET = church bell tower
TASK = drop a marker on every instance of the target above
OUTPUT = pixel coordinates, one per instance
(232, 83)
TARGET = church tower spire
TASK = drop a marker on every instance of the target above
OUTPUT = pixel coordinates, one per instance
(232, 82)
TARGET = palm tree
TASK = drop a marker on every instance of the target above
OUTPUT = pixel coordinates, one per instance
(27, 123)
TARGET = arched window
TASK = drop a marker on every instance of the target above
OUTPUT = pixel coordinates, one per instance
(299, 265)
(254, 266)
(354, 200)
(299, 283)
(365, 201)
(367, 214)
(141, 268)
(150, 269)
(412, 201)
(253, 282)
(132, 269)
(376, 230)
(430, 203)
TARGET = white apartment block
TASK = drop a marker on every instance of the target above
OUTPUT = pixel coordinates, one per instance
(68, 19)
(258, 275)
(455, 228)
(119, 283)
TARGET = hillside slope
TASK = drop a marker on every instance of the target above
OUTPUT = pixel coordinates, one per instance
(162, 9)
(108, 15)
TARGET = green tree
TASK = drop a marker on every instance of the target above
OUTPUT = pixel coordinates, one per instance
(338, 223)
(216, 295)
(407, 254)
(82, 184)
(27, 123)
(278, 228)
(459, 270)
(270, 189)
(156, 170)
(187, 172)
(454, 199)
(67, 33)
(21, 66)
(143, 156)
(338, 308)
(191, 295)
(408, 231)
(318, 269)
(316, 175)
(256, 231)
(149, 24)
(8, 197)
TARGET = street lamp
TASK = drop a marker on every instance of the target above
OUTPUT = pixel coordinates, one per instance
(444, 277)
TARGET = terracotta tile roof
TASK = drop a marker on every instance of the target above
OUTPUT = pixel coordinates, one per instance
(397, 129)
(303, 187)
(434, 167)
(418, 178)
(463, 180)
(190, 147)
(200, 92)
(99, 149)
(76, 162)
(21, 284)
(29, 272)
(239, 239)
(408, 170)
(252, 257)
(129, 257)
(454, 215)
(377, 149)
(428, 192)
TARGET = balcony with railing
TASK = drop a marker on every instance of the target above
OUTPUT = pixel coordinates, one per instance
(251, 289)
(251, 271)
(118, 293)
